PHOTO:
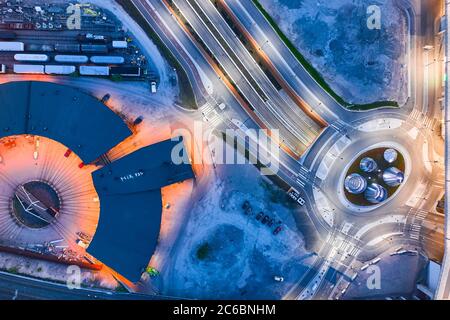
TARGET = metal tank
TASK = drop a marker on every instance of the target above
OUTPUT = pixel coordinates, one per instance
(393, 177)
(355, 183)
(390, 155)
(367, 164)
(375, 193)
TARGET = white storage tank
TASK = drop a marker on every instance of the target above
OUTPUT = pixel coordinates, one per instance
(31, 57)
(94, 71)
(65, 58)
(52, 69)
(28, 68)
(107, 59)
(119, 44)
(11, 46)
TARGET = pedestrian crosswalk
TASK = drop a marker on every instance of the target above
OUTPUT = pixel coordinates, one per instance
(339, 126)
(415, 114)
(345, 247)
(210, 114)
(416, 224)
(425, 121)
(303, 176)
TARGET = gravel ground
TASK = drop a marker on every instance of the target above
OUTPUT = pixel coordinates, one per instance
(361, 65)
(224, 253)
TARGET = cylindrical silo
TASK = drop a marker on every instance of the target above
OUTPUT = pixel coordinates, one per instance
(375, 193)
(368, 165)
(355, 183)
(390, 155)
(393, 177)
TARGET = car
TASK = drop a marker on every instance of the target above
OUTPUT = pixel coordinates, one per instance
(277, 230)
(153, 87)
(81, 165)
(245, 205)
(82, 243)
(278, 278)
(68, 153)
(105, 98)
(83, 236)
(138, 120)
(314, 287)
(270, 222)
(265, 219)
(259, 215)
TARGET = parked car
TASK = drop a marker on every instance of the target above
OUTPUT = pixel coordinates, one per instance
(68, 153)
(138, 120)
(82, 243)
(278, 278)
(265, 219)
(277, 230)
(259, 216)
(105, 98)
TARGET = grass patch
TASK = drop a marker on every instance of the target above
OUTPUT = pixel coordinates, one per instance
(316, 74)
(203, 251)
(186, 96)
(121, 289)
(13, 270)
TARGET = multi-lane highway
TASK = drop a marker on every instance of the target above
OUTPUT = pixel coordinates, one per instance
(297, 129)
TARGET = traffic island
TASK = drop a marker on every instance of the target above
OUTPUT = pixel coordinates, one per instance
(374, 176)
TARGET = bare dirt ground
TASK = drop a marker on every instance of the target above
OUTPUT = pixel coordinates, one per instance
(360, 64)
(224, 253)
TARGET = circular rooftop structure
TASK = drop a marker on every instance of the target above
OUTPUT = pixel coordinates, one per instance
(374, 176)
(35, 204)
(60, 181)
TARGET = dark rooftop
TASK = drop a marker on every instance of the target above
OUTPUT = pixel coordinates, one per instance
(61, 113)
(131, 206)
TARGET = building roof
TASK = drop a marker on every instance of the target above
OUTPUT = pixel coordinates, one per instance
(129, 188)
(130, 206)
(61, 113)
(127, 232)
